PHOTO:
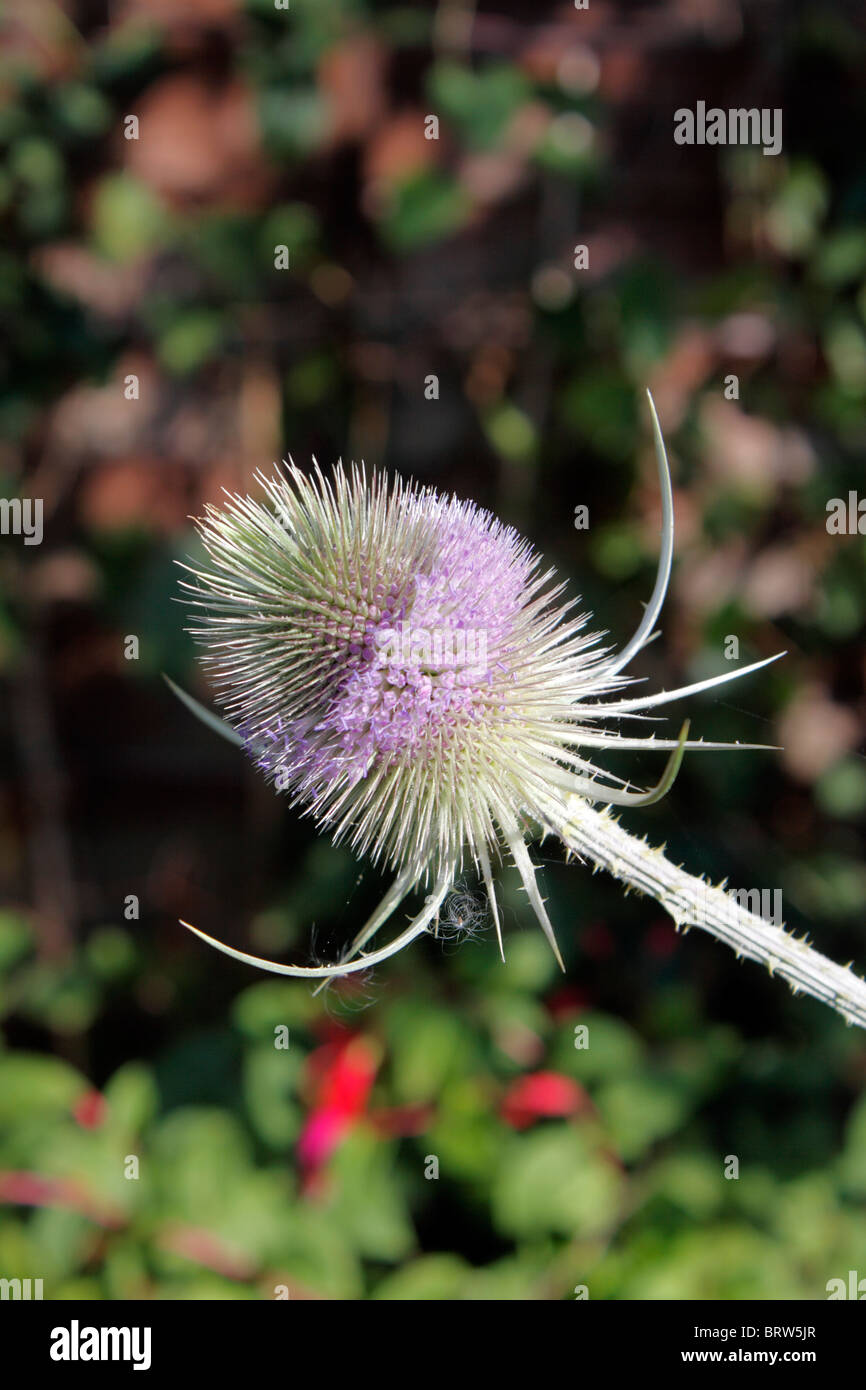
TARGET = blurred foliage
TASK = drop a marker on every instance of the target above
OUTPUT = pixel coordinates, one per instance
(627, 1195)
(155, 352)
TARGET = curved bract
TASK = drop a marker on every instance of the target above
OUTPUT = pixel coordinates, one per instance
(416, 928)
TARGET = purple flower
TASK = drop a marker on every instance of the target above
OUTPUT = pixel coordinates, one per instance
(403, 666)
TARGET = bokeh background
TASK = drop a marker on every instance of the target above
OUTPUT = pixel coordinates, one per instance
(309, 1169)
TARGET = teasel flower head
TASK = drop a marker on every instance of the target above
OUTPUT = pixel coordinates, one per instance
(405, 668)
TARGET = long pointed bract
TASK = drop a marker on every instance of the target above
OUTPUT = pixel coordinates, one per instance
(666, 555)
(416, 928)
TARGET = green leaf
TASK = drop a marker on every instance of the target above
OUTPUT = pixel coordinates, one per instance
(270, 1082)
(132, 1098)
(552, 1181)
(424, 208)
(641, 1109)
(465, 1135)
(841, 257)
(511, 432)
(191, 340)
(600, 406)
(369, 1204)
(16, 940)
(713, 1262)
(31, 1084)
(310, 1253)
(613, 1049)
(294, 120)
(110, 952)
(432, 1278)
(479, 103)
(427, 1045)
(841, 790)
(693, 1183)
(294, 225)
(261, 1008)
(126, 218)
(64, 997)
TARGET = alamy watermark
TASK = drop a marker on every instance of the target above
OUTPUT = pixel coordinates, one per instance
(22, 516)
(736, 126)
(846, 518)
(437, 648)
(761, 902)
(77, 1343)
(21, 1289)
(852, 1287)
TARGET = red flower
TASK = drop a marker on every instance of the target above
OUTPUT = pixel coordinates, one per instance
(566, 1001)
(90, 1110)
(35, 1190)
(343, 1075)
(540, 1096)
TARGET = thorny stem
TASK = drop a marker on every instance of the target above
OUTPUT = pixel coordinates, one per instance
(692, 902)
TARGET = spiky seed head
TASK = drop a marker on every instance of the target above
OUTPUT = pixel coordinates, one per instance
(397, 661)
(392, 657)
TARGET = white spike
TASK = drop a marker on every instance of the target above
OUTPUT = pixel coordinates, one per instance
(663, 697)
(526, 869)
(644, 632)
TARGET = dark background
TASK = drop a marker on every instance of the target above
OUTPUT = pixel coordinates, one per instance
(305, 1169)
